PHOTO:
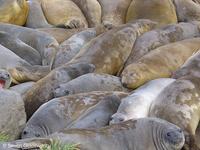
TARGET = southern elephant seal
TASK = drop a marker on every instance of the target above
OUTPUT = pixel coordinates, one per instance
(187, 10)
(137, 104)
(67, 13)
(69, 48)
(159, 63)
(109, 51)
(22, 88)
(92, 11)
(5, 79)
(36, 17)
(19, 69)
(161, 11)
(12, 114)
(162, 36)
(59, 113)
(43, 90)
(13, 11)
(46, 45)
(20, 48)
(88, 83)
(141, 134)
(114, 12)
(61, 34)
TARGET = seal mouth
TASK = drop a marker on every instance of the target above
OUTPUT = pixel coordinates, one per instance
(2, 83)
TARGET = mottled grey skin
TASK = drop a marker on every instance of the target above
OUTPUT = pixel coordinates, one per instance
(141, 134)
(20, 48)
(36, 18)
(22, 88)
(162, 36)
(19, 69)
(69, 48)
(43, 90)
(90, 82)
(187, 10)
(45, 44)
(69, 111)
(5, 76)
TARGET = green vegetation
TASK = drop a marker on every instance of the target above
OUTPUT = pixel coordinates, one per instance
(55, 145)
(4, 137)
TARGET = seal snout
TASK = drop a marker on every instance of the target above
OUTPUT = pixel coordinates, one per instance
(175, 137)
(117, 118)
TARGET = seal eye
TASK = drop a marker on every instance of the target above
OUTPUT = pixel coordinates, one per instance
(25, 132)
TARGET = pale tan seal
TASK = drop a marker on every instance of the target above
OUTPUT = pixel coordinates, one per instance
(13, 11)
(161, 11)
(162, 36)
(141, 134)
(114, 11)
(67, 13)
(43, 90)
(109, 51)
(92, 11)
(70, 111)
(159, 63)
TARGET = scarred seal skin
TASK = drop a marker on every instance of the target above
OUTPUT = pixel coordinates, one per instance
(141, 134)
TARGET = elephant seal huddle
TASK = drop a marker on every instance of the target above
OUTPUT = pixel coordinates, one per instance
(141, 134)
(137, 104)
(13, 11)
(159, 63)
(5, 79)
(69, 111)
(161, 11)
(43, 90)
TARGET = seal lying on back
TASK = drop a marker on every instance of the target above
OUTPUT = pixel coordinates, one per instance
(36, 17)
(141, 134)
(5, 79)
(109, 51)
(138, 103)
(46, 45)
(162, 36)
(159, 63)
(13, 11)
(20, 70)
(67, 13)
(20, 48)
(43, 90)
(88, 83)
(85, 110)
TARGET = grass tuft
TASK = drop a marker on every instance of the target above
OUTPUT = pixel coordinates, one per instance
(4, 137)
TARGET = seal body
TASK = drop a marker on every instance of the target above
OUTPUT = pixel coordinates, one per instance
(137, 104)
(67, 13)
(159, 63)
(141, 134)
(187, 10)
(14, 11)
(68, 111)
(92, 11)
(20, 48)
(43, 43)
(161, 11)
(114, 11)
(36, 17)
(109, 51)
(12, 114)
(43, 90)
(69, 48)
(88, 83)
(22, 88)
(162, 36)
